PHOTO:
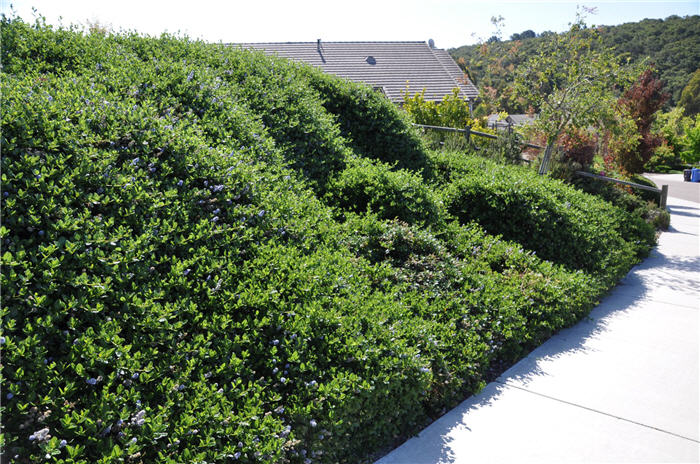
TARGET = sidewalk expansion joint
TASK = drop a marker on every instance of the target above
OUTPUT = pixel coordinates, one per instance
(671, 303)
(597, 411)
(651, 299)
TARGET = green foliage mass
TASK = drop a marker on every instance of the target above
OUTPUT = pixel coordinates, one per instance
(370, 123)
(673, 45)
(392, 194)
(560, 224)
(213, 255)
(682, 136)
(691, 154)
(690, 97)
(452, 111)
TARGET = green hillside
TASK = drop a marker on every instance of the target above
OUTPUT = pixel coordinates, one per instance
(673, 45)
(211, 255)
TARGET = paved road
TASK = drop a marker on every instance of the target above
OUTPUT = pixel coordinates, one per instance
(689, 191)
(621, 386)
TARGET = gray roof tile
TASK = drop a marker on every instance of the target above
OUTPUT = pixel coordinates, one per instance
(391, 66)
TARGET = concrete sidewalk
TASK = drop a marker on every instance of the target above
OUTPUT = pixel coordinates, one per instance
(621, 386)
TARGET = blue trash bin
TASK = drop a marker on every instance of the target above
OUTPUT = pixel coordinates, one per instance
(695, 175)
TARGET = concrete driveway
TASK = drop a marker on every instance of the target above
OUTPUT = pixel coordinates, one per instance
(676, 187)
(621, 386)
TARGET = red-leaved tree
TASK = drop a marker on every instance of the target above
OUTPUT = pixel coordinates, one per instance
(642, 100)
(578, 146)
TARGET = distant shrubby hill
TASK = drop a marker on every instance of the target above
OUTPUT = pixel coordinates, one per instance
(673, 44)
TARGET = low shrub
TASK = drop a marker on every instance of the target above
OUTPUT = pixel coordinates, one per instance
(368, 185)
(172, 291)
(659, 218)
(639, 203)
(448, 166)
(374, 127)
(609, 192)
(578, 146)
(646, 195)
(493, 300)
(506, 149)
(546, 216)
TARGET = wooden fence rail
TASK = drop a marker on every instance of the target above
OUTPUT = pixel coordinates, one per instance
(663, 191)
(468, 131)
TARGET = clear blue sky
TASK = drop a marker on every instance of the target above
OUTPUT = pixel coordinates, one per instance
(450, 23)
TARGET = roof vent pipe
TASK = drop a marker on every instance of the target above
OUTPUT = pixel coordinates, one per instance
(319, 49)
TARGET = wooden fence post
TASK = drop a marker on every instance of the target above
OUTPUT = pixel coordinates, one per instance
(545, 160)
(664, 196)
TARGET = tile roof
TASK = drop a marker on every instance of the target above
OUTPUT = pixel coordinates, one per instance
(387, 66)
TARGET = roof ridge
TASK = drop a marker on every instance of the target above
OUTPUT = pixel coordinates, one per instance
(425, 66)
(432, 50)
(334, 42)
(449, 73)
(459, 84)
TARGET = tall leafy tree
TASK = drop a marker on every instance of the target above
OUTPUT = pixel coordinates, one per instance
(528, 34)
(673, 44)
(642, 101)
(572, 82)
(690, 97)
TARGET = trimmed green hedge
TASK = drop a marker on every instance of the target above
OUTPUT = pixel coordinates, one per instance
(374, 127)
(367, 185)
(212, 255)
(492, 300)
(546, 216)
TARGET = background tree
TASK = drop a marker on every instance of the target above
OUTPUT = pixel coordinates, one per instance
(528, 34)
(673, 44)
(672, 125)
(690, 97)
(642, 101)
(571, 82)
(691, 152)
(500, 67)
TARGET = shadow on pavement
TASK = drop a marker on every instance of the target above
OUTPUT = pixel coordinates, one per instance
(679, 211)
(662, 275)
(564, 343)
(657, 270)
